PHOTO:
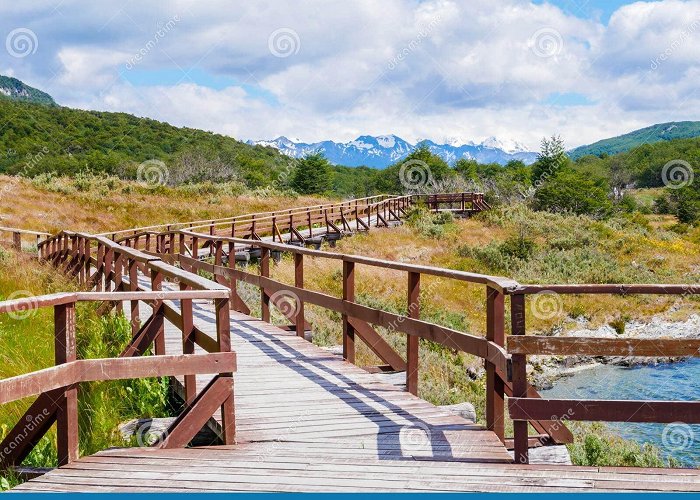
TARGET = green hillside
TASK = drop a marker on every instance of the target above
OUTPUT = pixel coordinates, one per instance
(37, 139)
(648, 135)
(14, 89)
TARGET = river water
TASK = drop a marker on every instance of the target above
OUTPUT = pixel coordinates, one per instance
(673, 381)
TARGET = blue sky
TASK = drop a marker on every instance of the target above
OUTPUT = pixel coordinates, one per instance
(452, 70)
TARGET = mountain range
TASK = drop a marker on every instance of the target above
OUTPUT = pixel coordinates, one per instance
(17, 90)
(648, 135)
(372, 151)
(384, 150)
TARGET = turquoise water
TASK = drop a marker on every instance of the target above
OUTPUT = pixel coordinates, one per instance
(673, 381)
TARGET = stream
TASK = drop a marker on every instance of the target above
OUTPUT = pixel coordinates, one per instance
(672, 381)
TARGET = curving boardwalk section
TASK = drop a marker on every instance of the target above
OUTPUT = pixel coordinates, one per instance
(309, 421)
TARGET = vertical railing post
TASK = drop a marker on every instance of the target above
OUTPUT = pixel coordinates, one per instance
(223, 335)
(412, 342)
(134, 286)
(17, 241)
(349, 296)
(195, 247)
(100, 266)
(108, 264)
(265, 272)
(158, 316)
(520, 427)
(88, 256)
(118, 275)
(188, 343)
(67, 415)
(495, 332)
(299, 283)
(218, 253)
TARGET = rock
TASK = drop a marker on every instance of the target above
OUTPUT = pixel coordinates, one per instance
(464, 410)
(392, 378)
(334, 349)
(475, 372)
(553, 455)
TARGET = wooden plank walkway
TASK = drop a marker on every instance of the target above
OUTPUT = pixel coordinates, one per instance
(309, 421)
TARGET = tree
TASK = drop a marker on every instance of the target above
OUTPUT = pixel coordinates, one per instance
(466, 168)
(571, 191)
(416, 172)
(313, 175)
(687, 203)
(551, 158)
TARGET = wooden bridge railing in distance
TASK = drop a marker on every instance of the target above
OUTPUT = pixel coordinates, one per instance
(524, 408)
(359, 321)
(298, 213)
(297, 225)
(459, 202)
(20, 235)
(56, 387)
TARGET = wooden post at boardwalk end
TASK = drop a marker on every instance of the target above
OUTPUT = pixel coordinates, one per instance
(67, 414)
(413, 342)
(495, 332)
(265, 272)
(520, 427)
(223, 337)
(299, 283)
(349, 295)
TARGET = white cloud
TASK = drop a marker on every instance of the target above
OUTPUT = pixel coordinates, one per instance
(433, 68)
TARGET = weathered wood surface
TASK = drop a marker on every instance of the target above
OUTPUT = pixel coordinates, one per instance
(309, 421)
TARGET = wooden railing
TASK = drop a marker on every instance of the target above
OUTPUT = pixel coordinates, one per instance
(18, 236)
(299, 213)
(298, 225)
(359, 321)
(524, 409)
(57, 387)
(114, 272)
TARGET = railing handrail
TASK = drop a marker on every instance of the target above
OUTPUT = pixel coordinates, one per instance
(501, 283)
(229, 219)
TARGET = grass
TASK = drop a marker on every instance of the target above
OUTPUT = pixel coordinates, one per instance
(100, 203)
(26, 345)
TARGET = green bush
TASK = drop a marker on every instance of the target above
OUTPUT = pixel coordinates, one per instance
(596, 446)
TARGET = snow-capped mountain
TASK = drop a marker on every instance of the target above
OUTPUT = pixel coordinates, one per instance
(384, 150)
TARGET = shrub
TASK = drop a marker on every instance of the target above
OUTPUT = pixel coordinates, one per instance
(573, 192)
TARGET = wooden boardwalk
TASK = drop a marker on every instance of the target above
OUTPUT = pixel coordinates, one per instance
(309, 421)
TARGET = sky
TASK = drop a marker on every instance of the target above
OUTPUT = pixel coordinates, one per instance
(445, 70)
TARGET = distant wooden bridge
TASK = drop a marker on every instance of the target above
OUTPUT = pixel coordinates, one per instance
(302, 418)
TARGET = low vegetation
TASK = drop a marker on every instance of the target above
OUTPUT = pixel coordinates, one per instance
(102, 406)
